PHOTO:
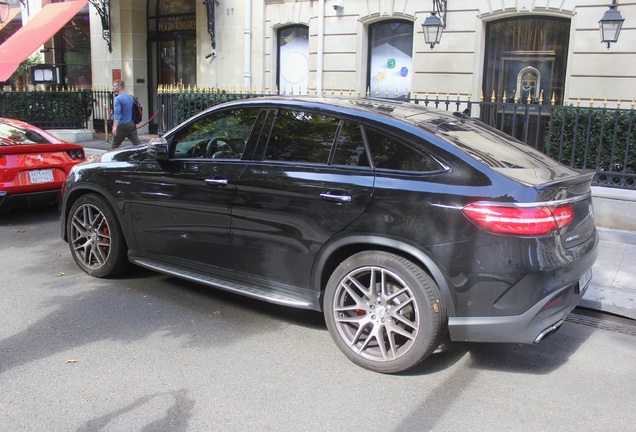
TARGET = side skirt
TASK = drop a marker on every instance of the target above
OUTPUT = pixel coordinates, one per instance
(260, 289)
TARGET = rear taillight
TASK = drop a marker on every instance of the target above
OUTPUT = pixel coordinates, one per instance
(519, 220)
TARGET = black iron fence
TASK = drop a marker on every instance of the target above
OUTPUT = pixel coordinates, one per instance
(48, 109)
(102, 110)
(596, 138)
(176, 104)
(600, 139)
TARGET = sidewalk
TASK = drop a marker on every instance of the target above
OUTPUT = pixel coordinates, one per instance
(613, 285)
(99, 142)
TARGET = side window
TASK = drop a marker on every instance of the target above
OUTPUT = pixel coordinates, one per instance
(219, 135)
(300, 136)
(350, 149)
(389, 153)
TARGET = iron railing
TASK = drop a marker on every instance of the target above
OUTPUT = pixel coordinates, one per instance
(48, 109)
(590, 138)
(595, 138)
(103, 110)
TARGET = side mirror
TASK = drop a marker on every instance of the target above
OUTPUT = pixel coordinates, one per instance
(158, 149)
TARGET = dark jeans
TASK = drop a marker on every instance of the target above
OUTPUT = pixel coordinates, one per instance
(125, 130)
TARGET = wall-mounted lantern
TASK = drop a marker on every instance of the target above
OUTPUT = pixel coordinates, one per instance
(103, 10)
(610, 25)
(434, 25)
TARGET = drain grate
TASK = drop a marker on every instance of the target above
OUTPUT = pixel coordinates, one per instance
(603, 324)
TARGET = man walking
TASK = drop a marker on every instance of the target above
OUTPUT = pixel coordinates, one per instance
(123, 126)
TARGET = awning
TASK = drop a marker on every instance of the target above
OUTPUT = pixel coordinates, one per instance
(40, 29)
(13, 12)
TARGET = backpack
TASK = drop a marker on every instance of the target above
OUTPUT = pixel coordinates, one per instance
(137, 111)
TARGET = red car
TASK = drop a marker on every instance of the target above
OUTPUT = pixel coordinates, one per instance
(33, 164)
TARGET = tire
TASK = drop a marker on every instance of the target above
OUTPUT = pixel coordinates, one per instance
(383, 312)
(95, 237)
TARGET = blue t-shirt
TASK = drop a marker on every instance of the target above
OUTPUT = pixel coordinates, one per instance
(123, 108)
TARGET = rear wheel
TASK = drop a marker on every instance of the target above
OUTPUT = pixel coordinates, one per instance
(95, 237)
(384, 312)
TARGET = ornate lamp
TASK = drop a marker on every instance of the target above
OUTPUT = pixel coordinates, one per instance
(610, 25)
(434, 25)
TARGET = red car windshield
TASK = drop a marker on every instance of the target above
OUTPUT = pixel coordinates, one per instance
(11, 134)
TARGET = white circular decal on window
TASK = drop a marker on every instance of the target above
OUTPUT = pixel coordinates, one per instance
(295, 67)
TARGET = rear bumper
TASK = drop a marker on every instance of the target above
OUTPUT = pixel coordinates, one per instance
(9, 202)
(542, 319)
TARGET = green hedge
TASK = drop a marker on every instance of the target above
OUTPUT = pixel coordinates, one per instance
(48, 109)
(585, 137)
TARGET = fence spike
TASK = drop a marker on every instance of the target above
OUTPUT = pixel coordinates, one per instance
(493, 99)
(591, 101)
(618, 104)
(503, 99)
(541, 98)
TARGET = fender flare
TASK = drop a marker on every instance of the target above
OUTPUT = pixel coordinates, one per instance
(422, 258)
(78, 189)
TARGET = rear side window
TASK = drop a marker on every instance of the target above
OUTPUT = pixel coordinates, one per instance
(300, 136)
(350, 149)
(389, 153)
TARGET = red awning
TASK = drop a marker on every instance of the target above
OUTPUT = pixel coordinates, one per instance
(13, 12)
(29, 38)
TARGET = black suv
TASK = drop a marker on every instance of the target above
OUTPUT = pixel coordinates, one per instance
(403, 224)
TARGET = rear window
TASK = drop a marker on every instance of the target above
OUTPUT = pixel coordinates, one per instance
(14, 135)
(489, 146)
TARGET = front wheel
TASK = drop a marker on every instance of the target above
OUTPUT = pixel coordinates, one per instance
(384, 312)
(95, 237)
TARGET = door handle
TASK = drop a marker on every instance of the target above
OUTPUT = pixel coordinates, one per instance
(216, 181)
(330, 196)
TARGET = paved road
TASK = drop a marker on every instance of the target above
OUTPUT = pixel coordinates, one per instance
(146, 352)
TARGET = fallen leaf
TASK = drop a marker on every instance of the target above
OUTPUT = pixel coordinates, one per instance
(57, 254)
(58, 274)
(21, 231)
(72, 361)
